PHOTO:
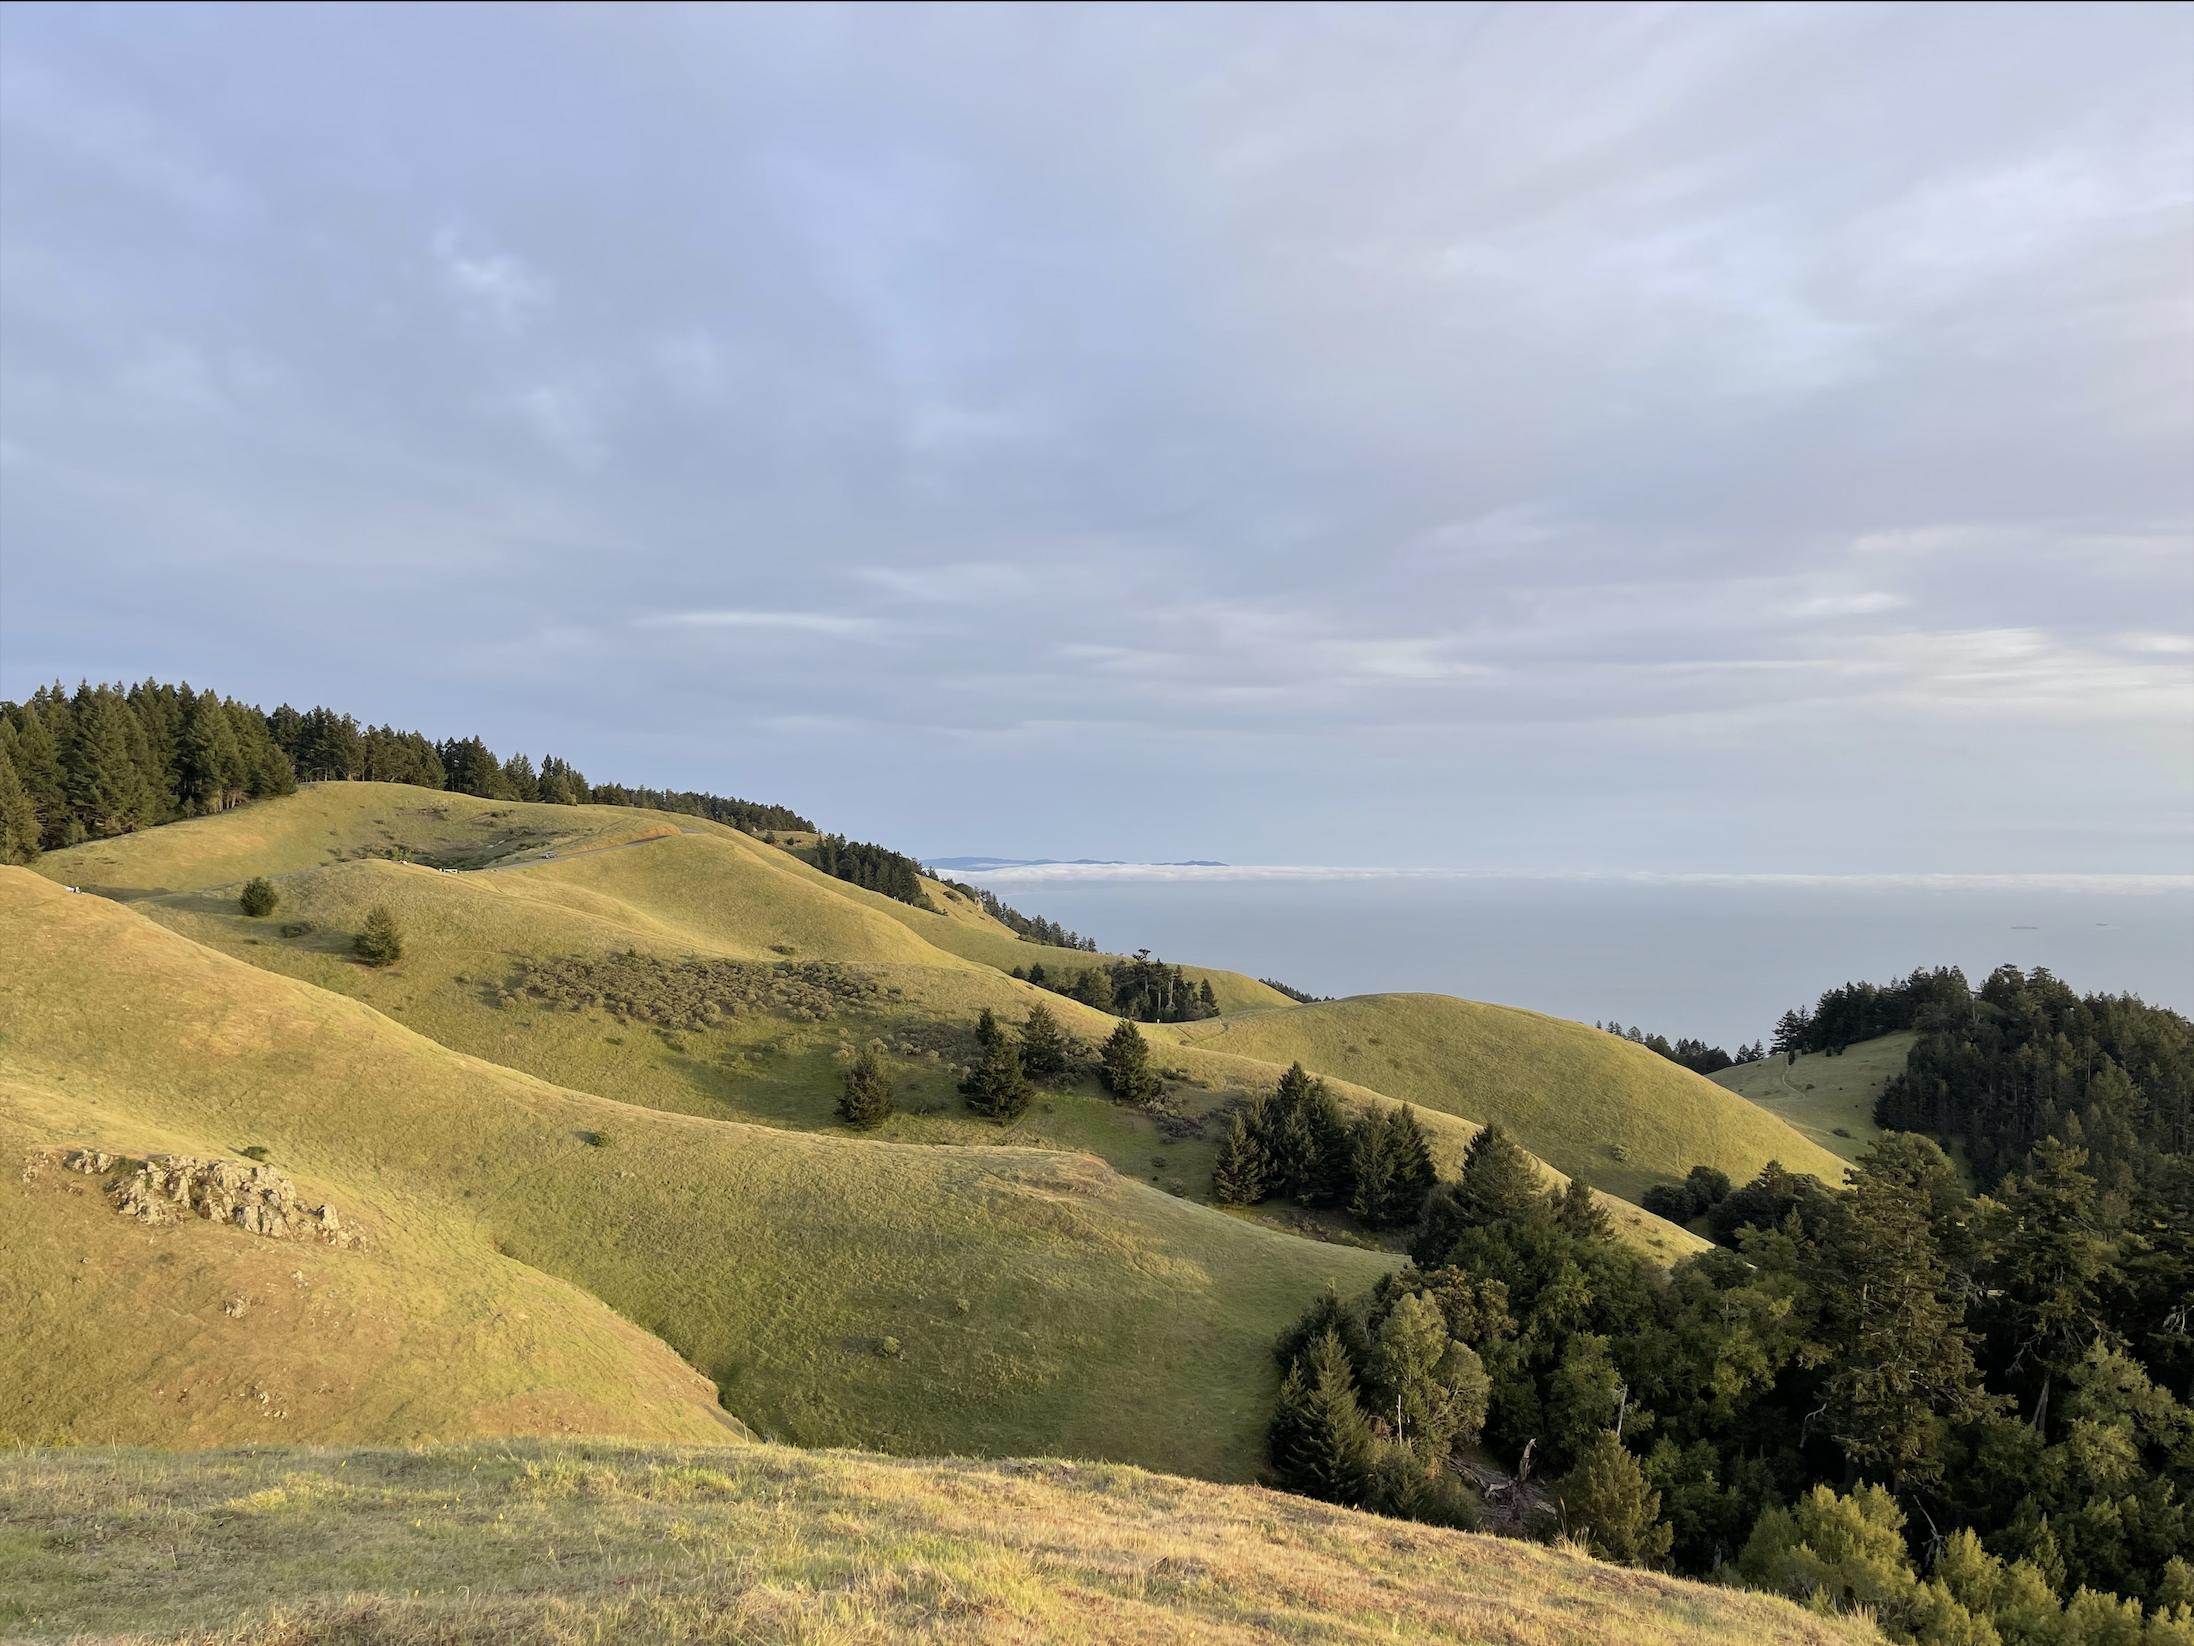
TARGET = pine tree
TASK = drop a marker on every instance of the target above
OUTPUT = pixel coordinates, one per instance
(1043, 1045)
(2049, 1262)
(258, 898)
(1578, 1212)
(1607, 1503)
(1095, 988)
(1500, 1183)
(1127, 1070)
(1238, 1176)
(211, 765)
(1371, 1161)
(1326, 1175)
(1206, 999)
(18, 818)
(38, 765)
(1320, 1443)
(106, 786)
(1902, 1363)
(381, 943)
(1413, 1173)
(867, 1102)
(998, 1088)
(986, 1029)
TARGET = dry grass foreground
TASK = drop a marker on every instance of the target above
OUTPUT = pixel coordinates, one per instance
(590, 1541)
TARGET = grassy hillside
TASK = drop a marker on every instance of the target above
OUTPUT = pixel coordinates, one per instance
(1039, 1302)
(190, 1334)
(1585, 1102)
(587, 1541)
(1828, 1098)
(713, 892)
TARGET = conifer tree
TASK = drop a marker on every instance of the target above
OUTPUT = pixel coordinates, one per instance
(1413, 1173)
(998, 1088)
(211, 764)
(1043, 1045)
(1238, 1175)
(1095, 988)
(1127, 1070)
(1326, 1173)
(1606, 1502)
(1903, 1362)
(2049, 1262)
(1320, 1443)
(1500, 1182)
(986, 1029)
(1578, 1212)
(258, 899)
(381, 943)
(1206, 999)
(1371, 1160)
(38, 765)
(106, 785)
(18, 818)
(867, 1102)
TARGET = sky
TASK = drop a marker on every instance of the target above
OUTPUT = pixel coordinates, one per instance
(1531, 439)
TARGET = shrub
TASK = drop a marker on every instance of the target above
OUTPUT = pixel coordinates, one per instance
(1606, 1502)
(258, 898)
(381, 943)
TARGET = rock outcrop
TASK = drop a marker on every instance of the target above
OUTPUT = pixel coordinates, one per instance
(255, 1198)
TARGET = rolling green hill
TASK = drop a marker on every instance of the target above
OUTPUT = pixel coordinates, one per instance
(1586, 1103)
(1038, 1301)
(1828, 1097)
(709, 891)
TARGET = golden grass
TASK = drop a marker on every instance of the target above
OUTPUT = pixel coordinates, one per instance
(1829, 1099)
(1586, 1103)
(592, 1540)
(1101, 1318)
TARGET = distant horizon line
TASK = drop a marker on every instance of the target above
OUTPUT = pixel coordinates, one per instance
(1094, 869)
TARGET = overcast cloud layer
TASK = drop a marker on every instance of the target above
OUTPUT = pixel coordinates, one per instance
(1546, 439)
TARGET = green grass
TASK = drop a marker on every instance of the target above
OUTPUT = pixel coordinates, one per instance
(572, 1541)
(1585, 1102)
(1104, 1317)
(716, 892)
(1829, 1099)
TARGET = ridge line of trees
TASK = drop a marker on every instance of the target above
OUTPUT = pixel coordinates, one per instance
(106, 760)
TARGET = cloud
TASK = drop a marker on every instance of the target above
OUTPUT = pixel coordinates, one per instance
(492, 286)
(800, 622)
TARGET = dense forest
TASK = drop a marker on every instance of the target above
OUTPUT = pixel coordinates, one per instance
(1139, 988)
(873, 868)
(2024, 1058)
(1968, 1415)
(1299, 1143)
(108, 760)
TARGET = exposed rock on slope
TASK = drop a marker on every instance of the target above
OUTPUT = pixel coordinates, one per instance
(255, 1198)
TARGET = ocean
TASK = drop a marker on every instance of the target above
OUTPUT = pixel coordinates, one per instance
(1716, 957)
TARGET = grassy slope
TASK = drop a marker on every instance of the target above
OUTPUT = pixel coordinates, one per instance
(586, 1541)
(1819, 1093)
(710, 891)
(172, 1335)
(1103, 1318)
(1568, 1093)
